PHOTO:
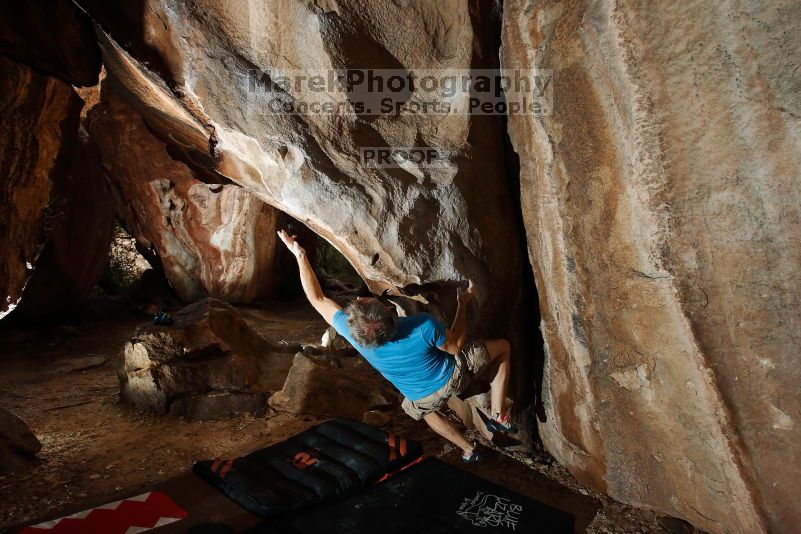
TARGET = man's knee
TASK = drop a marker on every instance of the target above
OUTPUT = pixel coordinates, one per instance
(498, 349)
(434, 419)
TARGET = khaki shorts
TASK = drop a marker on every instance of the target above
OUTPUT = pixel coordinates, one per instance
(471, 362)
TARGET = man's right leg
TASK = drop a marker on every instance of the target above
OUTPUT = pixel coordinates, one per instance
(440, 424)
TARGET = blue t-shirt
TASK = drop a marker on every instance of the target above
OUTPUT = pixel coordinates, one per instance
(411, 360)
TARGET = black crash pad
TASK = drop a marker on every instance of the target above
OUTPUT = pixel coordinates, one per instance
(326, 461)
(431, 497)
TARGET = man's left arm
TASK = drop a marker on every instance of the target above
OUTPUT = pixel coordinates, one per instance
(311, 286)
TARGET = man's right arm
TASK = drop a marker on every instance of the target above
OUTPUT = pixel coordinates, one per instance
(311, 286)
(456, 337)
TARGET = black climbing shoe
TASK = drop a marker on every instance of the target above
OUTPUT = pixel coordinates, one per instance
(472, 458)
(506, 426)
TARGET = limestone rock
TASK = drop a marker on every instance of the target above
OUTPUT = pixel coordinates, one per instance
(412, 228)
(660, 199)
(40, 121)
(210, 363)
(17, 443)
(321, 384)
(213, 240)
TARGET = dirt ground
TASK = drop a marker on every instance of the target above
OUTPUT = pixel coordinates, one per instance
(62, 382)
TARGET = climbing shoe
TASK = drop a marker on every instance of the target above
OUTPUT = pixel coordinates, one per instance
(473, 457)
(501, 424)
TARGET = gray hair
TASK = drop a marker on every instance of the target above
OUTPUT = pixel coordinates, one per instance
(371, 324)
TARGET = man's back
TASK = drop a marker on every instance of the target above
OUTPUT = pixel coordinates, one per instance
(411, 359)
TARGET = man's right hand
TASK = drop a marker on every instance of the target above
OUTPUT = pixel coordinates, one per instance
(291, 243)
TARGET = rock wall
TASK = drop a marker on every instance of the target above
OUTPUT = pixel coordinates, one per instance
(661, 204)
(37, 134)
(74, 256)
(404, 229)
(211, 239)
(659, 195)
(53, 37)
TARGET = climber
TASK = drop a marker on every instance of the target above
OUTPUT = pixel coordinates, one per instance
(425, 361)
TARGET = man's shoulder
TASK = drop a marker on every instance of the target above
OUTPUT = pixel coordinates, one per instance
(422, 322)
(418, 318)
(340, 321)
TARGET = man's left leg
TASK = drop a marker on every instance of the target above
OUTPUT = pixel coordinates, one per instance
(440, 424)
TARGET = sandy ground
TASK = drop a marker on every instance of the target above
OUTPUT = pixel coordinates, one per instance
(96, 449)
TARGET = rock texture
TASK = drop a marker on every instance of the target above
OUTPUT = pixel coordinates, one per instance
(40, 121)
(74, 257)
(213, 239)
(404, 229)
(661, 205)
(659, 195)
(53, 37)
(323, 384)
(18, 445)
(209, 364)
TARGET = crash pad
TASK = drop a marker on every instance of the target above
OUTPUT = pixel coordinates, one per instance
(432, 497)
(329, 460)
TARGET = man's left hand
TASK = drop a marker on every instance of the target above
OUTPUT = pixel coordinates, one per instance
(291, 243)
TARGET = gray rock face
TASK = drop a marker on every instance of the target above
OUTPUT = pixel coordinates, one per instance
(661, 202)
(17, 443)
(322, 384)
(209, 364)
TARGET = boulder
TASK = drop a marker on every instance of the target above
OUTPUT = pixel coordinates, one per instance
(37, 135)
(323, 384)
(660, 198)
(201, 85)
(376, 418)
(210, 363)
(72, 260)
(211, 239)
(18, 445)
(333, 342)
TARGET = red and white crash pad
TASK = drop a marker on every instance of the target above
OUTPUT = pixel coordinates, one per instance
(127, 516)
